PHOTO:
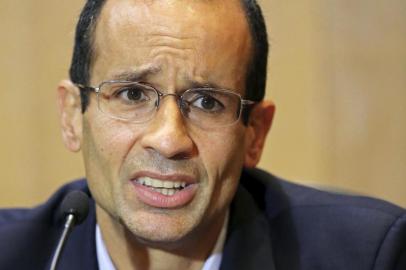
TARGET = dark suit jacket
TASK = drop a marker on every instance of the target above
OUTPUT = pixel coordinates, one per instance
(273, 225)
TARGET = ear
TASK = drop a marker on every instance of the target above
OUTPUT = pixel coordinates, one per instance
(259, 123)
(70, 114)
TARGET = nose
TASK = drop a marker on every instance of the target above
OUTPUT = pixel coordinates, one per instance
(167, 134)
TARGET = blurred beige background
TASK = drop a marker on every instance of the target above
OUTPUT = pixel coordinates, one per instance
(337, 74)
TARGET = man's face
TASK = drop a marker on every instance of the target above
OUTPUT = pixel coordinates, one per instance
(171, 45)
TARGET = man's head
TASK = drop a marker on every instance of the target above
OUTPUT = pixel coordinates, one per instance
(166, 180)
(83, 49)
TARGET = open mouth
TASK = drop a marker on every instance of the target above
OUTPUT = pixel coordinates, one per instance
(167, 188)
(165, 191)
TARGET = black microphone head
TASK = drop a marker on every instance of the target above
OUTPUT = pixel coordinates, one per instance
(77, 204)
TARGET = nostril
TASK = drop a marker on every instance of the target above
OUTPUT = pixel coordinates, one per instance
(182, 156)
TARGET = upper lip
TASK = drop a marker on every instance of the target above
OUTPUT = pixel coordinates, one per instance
(180, 177)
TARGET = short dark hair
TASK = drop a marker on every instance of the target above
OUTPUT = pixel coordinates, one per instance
(83, 49)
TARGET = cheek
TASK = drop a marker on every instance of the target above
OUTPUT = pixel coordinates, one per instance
(106, 143)
(222, 154)
(222, 151)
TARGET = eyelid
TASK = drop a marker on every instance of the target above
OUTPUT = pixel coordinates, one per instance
(197, 97)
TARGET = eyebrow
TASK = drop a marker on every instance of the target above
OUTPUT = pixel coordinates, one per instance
(197, 84)
(137, 74)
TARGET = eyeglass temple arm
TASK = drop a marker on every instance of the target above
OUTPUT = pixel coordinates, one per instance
(86, 88)
(246, 102)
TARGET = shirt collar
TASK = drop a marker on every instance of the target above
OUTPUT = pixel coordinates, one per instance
(103, 257)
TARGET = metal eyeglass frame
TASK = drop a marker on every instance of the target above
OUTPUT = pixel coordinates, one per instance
(243, 102)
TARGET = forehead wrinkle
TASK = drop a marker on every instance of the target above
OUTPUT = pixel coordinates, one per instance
(165, 33)
(165, 51)
(179, 51)
(164, 38)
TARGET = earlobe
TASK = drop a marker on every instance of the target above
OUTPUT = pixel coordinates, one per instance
(258, 126)
(70, 115)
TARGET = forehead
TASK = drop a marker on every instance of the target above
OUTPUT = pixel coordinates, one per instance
(176, 16)
(206, 31)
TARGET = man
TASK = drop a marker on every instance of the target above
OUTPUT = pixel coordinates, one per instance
(166, 104)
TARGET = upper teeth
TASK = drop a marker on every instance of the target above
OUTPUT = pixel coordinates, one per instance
(147, 181)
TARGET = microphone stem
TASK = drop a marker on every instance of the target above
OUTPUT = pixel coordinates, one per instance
(68, 226)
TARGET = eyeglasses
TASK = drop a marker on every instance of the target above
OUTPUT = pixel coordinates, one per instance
(137, 102)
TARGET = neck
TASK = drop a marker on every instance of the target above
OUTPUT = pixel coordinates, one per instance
(129, 252)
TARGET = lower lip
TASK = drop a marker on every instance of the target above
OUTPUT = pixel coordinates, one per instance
(156, 199)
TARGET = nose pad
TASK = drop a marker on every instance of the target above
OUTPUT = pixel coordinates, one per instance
(184, 107)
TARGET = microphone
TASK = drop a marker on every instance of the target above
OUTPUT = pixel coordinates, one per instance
(74, 208)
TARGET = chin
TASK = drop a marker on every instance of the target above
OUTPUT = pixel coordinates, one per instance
(164, 237)
(164, 242)
(156, 228)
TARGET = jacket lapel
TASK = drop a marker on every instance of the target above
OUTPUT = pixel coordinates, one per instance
(248, 244)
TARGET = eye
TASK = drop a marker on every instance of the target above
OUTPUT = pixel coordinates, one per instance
(133, 94)
(206, 102)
